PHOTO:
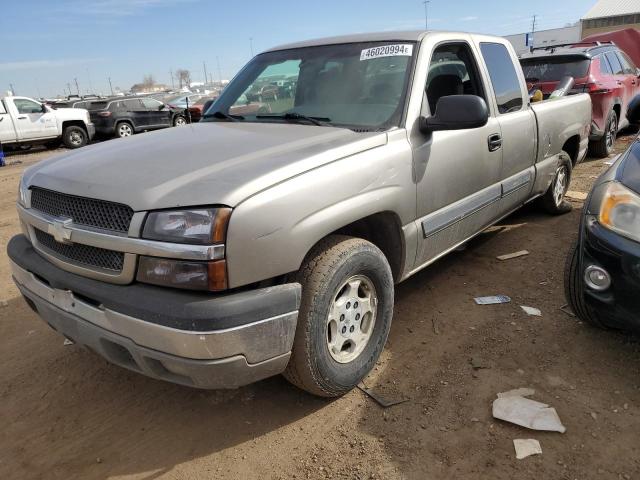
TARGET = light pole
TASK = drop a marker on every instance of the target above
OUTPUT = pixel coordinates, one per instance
(77, 87)
(426, 14)
(219, 70)
(110, 86)
(251, 45)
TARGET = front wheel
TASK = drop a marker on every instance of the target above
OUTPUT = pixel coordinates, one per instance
(345, 316)
(553, 200)
(179, 121)
(75, 137)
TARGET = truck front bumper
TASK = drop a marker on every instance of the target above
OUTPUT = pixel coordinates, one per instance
(91, 131)
(198, 340)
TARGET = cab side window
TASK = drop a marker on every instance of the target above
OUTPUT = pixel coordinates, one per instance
(2, 108)
(25, 106)
(627, 65)
(504, 78)
(152, 105)
(452, 71)
(615, 63)
(605, 68)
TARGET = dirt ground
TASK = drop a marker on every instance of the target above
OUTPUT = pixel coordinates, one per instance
(67, 414)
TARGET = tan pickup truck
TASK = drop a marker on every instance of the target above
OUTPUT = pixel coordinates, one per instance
(245, 246)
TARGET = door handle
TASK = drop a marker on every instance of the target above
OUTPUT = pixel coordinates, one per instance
(22, 118)
(494, 142)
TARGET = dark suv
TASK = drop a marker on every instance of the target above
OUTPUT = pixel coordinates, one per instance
(123, 117)
(600, 69)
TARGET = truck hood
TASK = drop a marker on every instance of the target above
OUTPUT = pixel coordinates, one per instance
(209, 163)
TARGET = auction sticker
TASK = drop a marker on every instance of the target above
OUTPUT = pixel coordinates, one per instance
(404, 50)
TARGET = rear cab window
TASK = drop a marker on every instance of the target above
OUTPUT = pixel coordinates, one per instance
(627, 65)
(504, 78)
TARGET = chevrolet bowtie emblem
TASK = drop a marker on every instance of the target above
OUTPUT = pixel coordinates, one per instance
(60, 231)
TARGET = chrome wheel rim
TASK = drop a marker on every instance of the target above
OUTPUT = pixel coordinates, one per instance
(611, 134)
(560, 186)
(351, 319)
(76, 139)
(180, 121)
(124, 130)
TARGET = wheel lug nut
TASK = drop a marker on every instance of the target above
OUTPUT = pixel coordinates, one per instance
(355, 305)
(344, 329)
(357, 316)
(352, 329)
(348, 305)
(342, 317)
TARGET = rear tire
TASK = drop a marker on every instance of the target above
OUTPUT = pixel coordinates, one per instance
(603, 147)
(179, 121)
(345, 316)
(75, 137)
(573, 291)
(124, 129)
(553, 200)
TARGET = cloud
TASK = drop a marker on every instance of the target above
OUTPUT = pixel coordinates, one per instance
(470, 18)
(123, 8)
(40, 64)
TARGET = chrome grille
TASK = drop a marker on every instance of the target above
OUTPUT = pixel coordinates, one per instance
(84, 254)
(83, 211)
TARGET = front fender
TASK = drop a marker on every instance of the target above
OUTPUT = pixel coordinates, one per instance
(270, 233)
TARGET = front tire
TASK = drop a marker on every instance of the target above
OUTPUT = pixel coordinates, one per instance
(604, 147)
(179, 121)
(75, 137)
(345, 316)
(553, 200)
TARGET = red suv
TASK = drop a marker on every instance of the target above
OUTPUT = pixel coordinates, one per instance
(598, 68)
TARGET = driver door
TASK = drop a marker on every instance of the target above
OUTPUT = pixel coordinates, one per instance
(31, 121)
(458, 171)
(158, 114)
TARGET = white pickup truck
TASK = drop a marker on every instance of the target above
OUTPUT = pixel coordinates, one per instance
(24, 121)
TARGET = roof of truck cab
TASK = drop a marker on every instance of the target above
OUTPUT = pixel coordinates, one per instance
(403, 36)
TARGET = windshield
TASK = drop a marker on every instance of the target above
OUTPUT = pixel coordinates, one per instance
(553, 69)
(356, 85)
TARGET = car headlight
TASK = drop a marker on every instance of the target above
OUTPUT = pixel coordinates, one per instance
(620, 211)
(22, 193)
(202, 226)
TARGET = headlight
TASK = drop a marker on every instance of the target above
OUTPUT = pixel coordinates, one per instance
(22, 193)
(204, 226)
(198, 226)
(620, 211)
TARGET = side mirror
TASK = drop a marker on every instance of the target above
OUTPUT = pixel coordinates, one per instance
(162, 107)
(456, 112)
(44, 108)
(206, 106)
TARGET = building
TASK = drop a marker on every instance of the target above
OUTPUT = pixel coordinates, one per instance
(144, 88)
(554, 36)
(609, 15)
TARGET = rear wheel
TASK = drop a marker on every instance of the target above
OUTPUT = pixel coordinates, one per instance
(573, 291)
(345, 316)
(124, 129)
(553, 200)
(604, 147)
(179, 120)
(74, 137)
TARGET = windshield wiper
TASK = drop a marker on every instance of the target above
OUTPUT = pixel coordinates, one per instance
(293, 116)
(225, 116)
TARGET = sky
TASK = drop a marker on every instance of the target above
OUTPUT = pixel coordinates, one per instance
(46, 44)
